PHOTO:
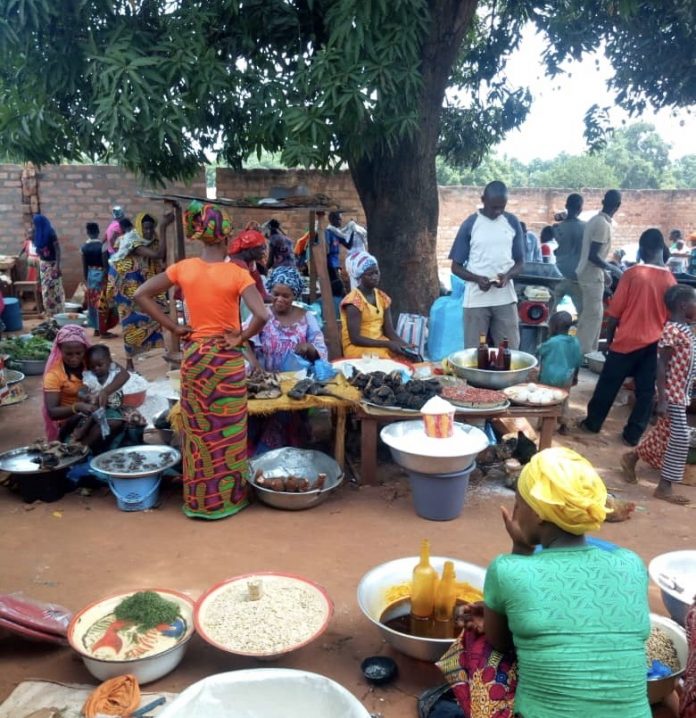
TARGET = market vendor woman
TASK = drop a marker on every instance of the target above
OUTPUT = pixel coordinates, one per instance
(213, 382)
(366, 320)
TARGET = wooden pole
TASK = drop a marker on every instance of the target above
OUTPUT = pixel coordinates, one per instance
(333, 340)
(312, 263)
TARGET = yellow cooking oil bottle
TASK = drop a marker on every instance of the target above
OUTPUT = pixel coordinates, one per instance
(423, 587)
(445, 600)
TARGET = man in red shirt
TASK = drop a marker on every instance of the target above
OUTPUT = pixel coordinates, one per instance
(637, 315)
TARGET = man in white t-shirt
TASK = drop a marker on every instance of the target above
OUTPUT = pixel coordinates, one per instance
(487, 253)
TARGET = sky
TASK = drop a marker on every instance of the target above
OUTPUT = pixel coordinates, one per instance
(555, 122)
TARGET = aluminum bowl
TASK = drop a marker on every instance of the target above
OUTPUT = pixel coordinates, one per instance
(415, 451)
(297, 462)
(372, 599)
(463, 364)
(146, 669)
(675, 575)
(595, 361)
(660, 688)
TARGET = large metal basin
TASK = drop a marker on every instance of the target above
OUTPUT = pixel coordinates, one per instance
(463, 364)
(675, 574)
(415, 451)
(372, 599)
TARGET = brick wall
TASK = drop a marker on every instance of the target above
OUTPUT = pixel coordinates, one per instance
(71, 195)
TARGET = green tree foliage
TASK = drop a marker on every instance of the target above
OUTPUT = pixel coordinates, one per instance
(382, 86)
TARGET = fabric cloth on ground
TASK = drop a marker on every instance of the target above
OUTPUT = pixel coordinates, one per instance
(639, 305)
(642, 366)
(214, 440)
(595, 618)
(211, 291)
(560, 357)
(371, 323)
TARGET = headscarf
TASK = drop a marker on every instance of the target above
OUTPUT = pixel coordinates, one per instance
(357, 263)
(43, 233)
(206, 222)
(246, 239)
(68, 333)
(288, 276)
(117, 212)
(563, 488)
(138, 223)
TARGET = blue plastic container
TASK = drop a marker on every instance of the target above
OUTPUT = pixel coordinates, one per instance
(135, 494)
(12, 315)
(439, 497)
(446, 323)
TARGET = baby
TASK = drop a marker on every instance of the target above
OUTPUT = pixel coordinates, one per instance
(103, 380)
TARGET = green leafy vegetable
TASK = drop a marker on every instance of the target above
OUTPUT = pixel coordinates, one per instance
(35, 348)
(147, 609)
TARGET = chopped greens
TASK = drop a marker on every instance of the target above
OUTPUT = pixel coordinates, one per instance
(147, 609)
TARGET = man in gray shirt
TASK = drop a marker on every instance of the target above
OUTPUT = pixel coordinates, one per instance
(568, 234)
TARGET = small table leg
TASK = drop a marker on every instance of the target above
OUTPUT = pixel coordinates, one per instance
(340, 437)
(548, 424)
(368, 450)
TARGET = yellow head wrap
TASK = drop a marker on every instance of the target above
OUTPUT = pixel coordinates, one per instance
(563, 488)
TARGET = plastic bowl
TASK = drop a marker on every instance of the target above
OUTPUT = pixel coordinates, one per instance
(373, 600)
(463, 364)
(33, 367)
(675, 575)
(135, 400)
(66, 318)
(204, 602)
(146, 669)
(298, 462)
(660, 688)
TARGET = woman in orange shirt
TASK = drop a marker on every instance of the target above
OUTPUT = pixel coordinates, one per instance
(213, 386)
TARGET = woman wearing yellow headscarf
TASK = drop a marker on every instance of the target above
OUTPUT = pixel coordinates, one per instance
(575, 616)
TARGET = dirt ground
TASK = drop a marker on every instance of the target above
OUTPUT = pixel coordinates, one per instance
(80, 548)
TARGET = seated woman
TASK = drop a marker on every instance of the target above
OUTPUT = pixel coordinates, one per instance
(366, 321)
(290, 330)
(62, 382)
(561, 632)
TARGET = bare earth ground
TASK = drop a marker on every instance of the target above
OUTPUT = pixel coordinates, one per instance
(81, 548)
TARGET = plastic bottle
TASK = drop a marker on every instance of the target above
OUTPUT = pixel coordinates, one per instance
(445, 600)
(482, 359)
(423, 587)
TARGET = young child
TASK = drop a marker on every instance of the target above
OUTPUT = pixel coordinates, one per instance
(560, 358)
(549, 245)
(103, 380)
(666, 445)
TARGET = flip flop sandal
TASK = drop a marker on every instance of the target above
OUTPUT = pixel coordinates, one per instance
(673, 499)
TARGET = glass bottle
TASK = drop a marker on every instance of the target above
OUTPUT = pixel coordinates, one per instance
(445, 600)
(507, 354)
(423, 587)
(482, 359)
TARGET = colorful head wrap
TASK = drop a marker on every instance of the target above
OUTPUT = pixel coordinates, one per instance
(68, 333)
(288, 276)
(206, 222)
(357, 263)
(246, 239)
(117, 212)
(43, 232)
(138, 221)
(563, 488)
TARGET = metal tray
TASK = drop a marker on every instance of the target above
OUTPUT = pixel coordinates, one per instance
(152, 454)
(19, 461)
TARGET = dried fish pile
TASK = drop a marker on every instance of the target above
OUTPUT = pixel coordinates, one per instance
(263, 385)
(133, 461)
(390, 389)
(51, 453)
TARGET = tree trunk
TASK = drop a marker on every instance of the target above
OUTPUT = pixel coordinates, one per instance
(398, 189)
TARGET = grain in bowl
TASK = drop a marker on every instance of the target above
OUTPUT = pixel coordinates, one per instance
(264, 614)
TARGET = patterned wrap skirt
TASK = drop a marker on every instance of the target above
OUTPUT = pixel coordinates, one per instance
(214, 439)
(51, 288)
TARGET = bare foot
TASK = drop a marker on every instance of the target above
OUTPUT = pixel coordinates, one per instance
(628, 466)
(665, 491)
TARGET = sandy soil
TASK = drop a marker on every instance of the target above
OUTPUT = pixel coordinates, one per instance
(81, 548)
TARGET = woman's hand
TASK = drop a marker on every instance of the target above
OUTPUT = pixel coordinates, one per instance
(232, 338)
(83, 407)
(307, 350)
(469, 617)
(103, 398)
(519, 542)
(183, 331)
(395, 346)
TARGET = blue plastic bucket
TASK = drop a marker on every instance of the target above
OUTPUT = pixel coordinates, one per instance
(12, 315)
(135, 494)
(440, 497)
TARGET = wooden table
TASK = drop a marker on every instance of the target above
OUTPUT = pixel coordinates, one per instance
(371, 418)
